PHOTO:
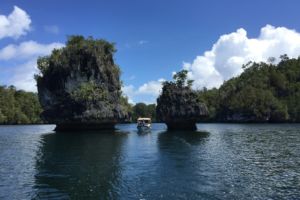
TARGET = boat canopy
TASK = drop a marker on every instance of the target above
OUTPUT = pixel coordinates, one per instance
(144, 119)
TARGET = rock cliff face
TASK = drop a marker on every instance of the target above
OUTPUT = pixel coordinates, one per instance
(79, 86)
(179, 107)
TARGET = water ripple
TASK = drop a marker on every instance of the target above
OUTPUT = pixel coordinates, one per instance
(219, 161)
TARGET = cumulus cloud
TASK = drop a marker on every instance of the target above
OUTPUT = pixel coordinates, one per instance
(20, 62)
(225, 59)
(27, 50)
(15, 24)
(23, 76)
(149, 91)
(151, 88)
(129, 92)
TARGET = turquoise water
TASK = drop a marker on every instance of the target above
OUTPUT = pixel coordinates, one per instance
(219, 161)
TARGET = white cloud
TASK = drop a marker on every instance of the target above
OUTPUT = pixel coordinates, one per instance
(15, 24)
(20, 62)
(23, 76)
(128, 91)
(52, 29)
(231, 51)
(151, 88)
(149, 91)
(27, 50)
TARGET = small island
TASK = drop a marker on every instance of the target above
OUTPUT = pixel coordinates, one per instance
(178, 105)
(79, 86)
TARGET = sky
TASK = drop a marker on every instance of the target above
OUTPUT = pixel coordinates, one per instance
(212, 39)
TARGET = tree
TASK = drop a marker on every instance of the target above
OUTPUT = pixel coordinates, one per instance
(284, 57)
(181, 79)
(271, 60)
(143, 110)
(2, 118)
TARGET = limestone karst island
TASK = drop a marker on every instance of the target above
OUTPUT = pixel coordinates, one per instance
(162, 100)
(79, 86)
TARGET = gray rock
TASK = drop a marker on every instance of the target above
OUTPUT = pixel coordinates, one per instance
(179, 107)
(80, 87)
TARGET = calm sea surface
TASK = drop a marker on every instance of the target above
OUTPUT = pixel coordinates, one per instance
(219, 161)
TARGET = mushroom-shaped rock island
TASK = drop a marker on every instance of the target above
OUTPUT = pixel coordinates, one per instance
(79, 86)
(178, 105)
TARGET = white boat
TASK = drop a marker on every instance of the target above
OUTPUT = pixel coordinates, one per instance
(144, 124)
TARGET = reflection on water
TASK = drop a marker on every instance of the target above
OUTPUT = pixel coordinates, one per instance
(79, 166)
(168, 138)
(219, 161)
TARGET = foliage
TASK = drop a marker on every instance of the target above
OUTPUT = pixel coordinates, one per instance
(180, 79)
(264, 92)
(18, 106)
(125, 104)
(89, 91)
(86, 51)
(210, 97)
(143, 110)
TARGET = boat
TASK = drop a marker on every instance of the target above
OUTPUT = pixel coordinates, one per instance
(144, 124)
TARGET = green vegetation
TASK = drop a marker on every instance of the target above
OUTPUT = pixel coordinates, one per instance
(143, 110)
(89, 91)
(181, 80)
(264, 92)
(79, 51)
(18, 106)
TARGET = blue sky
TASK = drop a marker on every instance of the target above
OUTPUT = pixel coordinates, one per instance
(155, 38)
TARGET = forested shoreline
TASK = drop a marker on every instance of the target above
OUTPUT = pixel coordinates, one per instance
(18, 106)
(264, 92)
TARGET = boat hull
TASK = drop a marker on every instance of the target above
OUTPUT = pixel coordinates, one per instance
(143, 128)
